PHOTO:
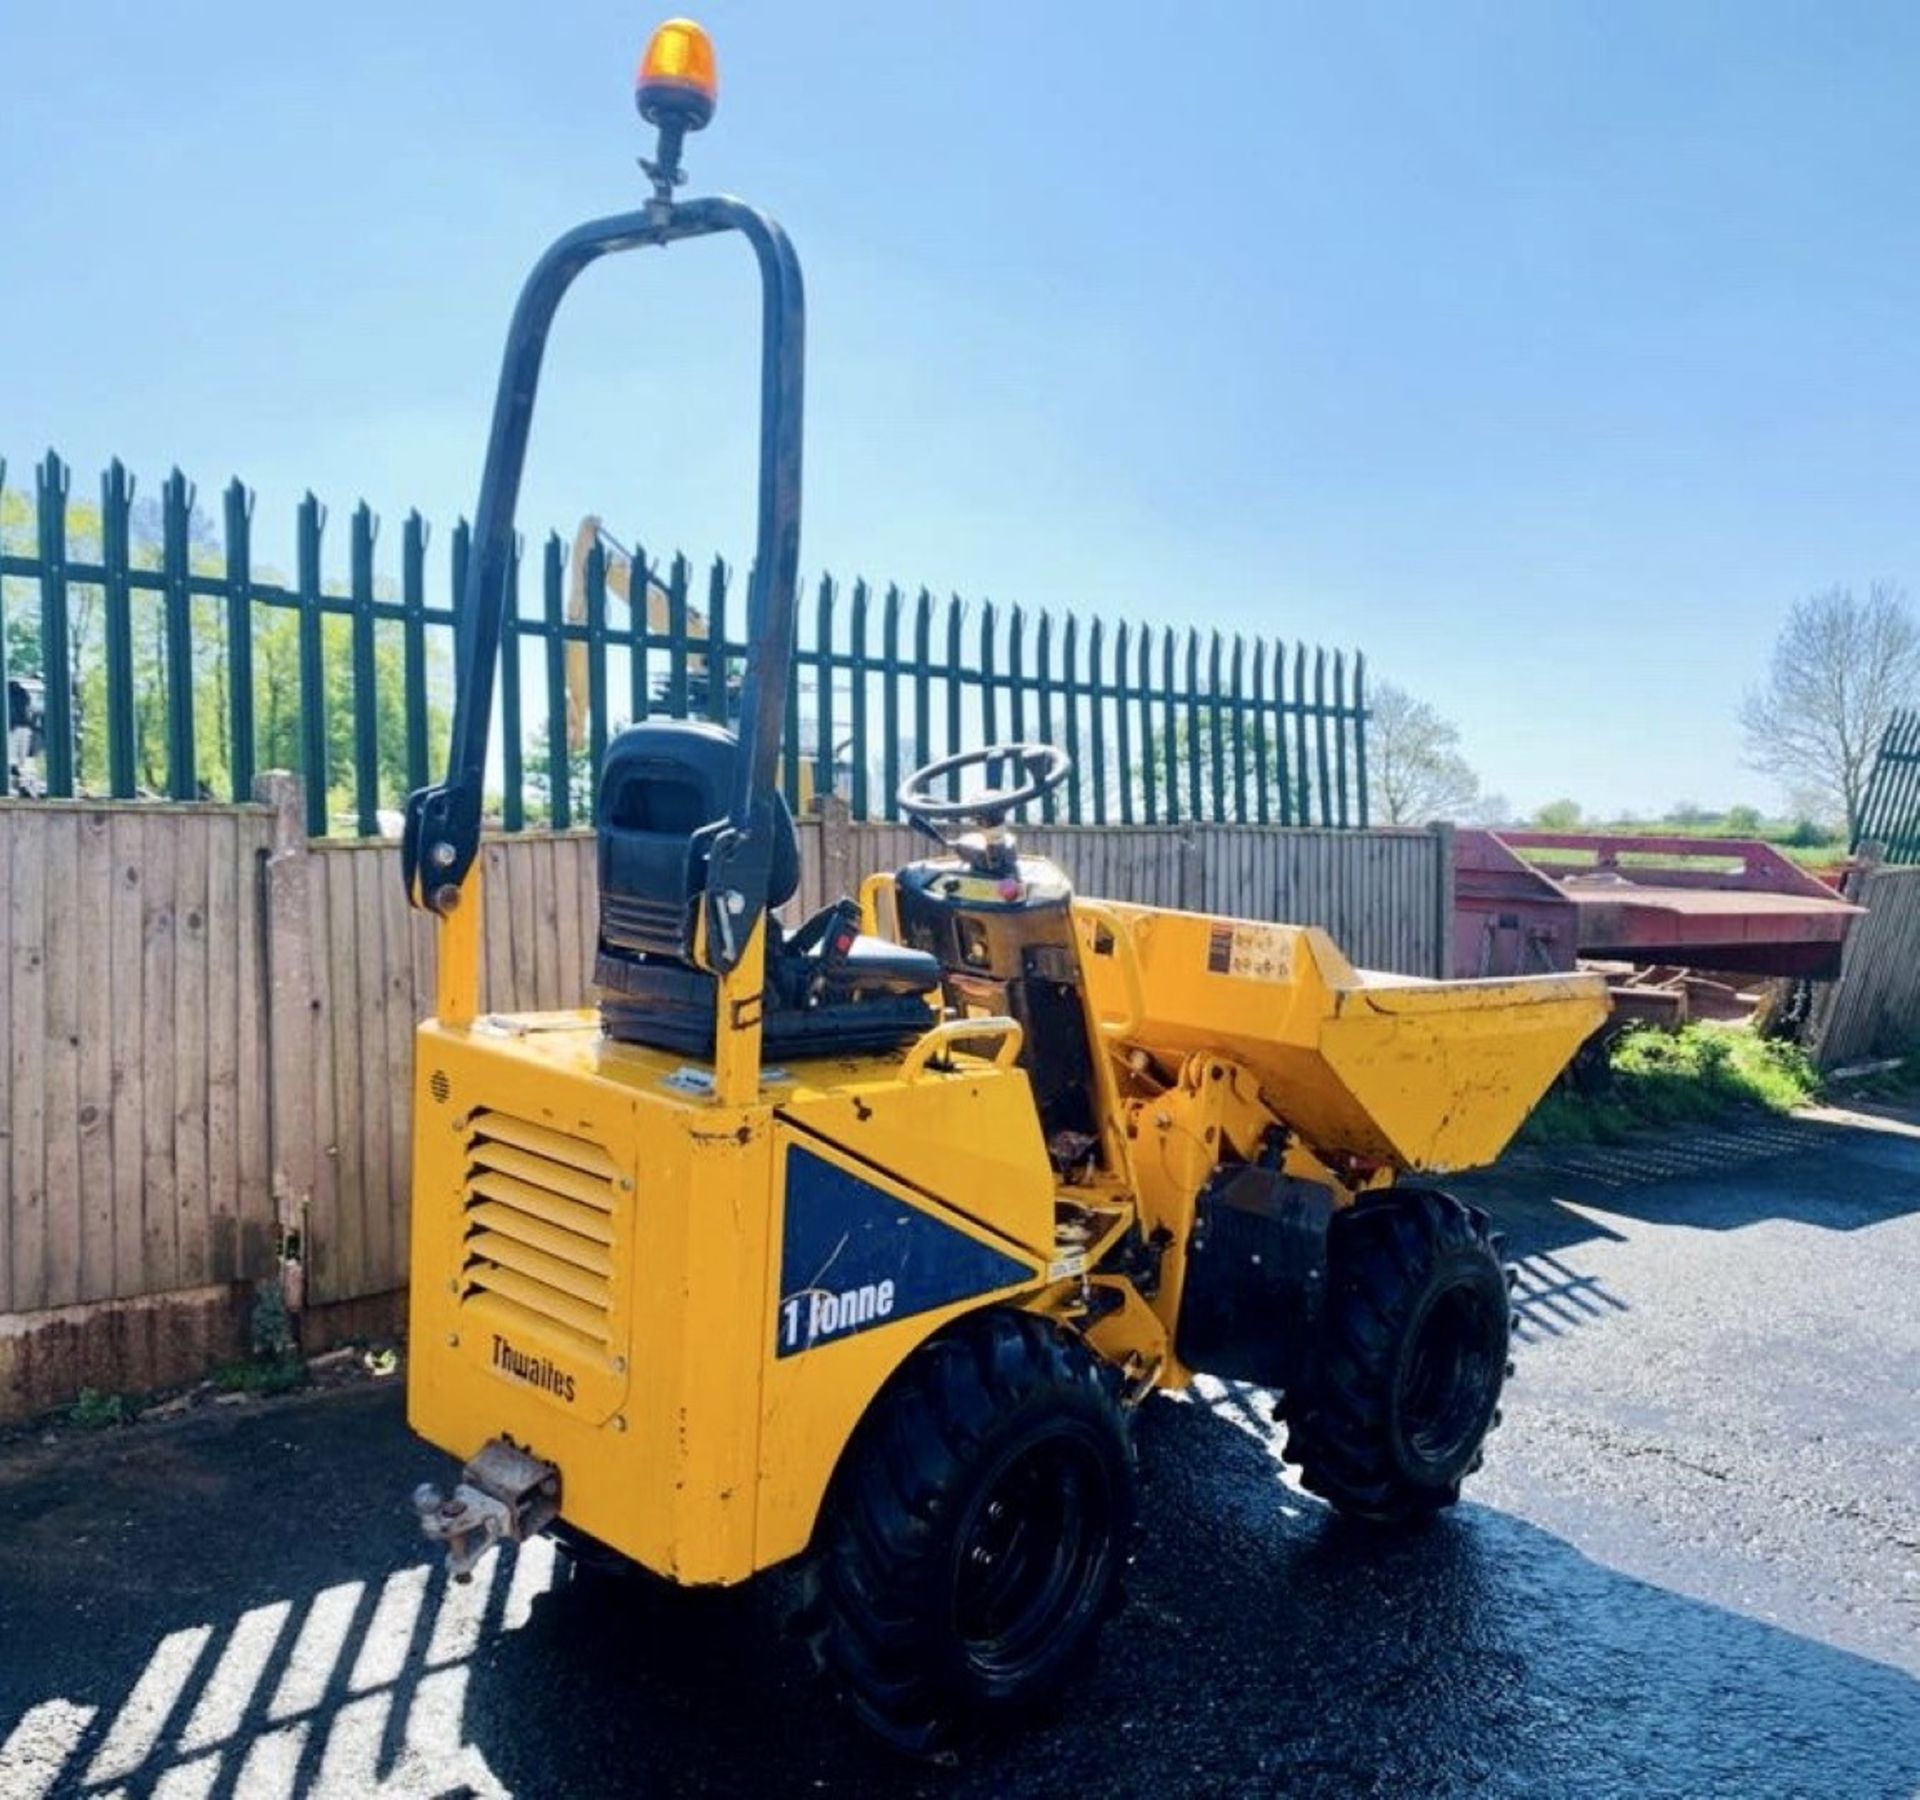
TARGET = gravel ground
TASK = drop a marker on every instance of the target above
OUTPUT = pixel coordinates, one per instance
(1691, 1566)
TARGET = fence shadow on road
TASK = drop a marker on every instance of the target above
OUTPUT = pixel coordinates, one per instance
(1551, 1295)
(1837, 1172)
(1551, 1298)
(1268, 1647)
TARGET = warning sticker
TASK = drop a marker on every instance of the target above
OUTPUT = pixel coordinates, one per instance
(1257, 952)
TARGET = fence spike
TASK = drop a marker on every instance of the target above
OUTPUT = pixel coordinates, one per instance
(1237, 700)
(1123, 721)
(53, 481)
(1284, 765)
(1258, 702)
(1196, 810)
(890, 701)
(1017, 670)
(956, 667)
(989, 697)
(116, 552)
(566, 731)
(1321, 766)
(310, 523)
(1340, 735)
(1096, 702)
(1170, 728)
(176, 516)
(922, 679)
(413, 630)
(1362, 799)
(714, 662)
(1019, 656)
(857, 696)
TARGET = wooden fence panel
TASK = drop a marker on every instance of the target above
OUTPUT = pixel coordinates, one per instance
(370, 979)
(132, 1093)
(211, 1018)
(1874, 1007)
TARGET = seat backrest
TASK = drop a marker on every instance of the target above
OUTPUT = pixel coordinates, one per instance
(662, 784)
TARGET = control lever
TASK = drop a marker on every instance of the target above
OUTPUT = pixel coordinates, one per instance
(831, 932)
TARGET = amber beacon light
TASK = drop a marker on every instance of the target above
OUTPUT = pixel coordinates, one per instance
(678, 84)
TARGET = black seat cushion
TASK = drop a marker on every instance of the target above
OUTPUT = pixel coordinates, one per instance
(874, 965)
(663, 785)
(671, 1007)
(664, 789)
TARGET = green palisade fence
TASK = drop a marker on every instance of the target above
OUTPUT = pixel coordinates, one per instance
(1890, 811)
(171, 663)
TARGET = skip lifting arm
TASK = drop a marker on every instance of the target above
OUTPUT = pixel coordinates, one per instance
(443, 822)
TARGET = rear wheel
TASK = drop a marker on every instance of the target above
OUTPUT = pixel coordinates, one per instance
(1413, 1357)
(975, 1536)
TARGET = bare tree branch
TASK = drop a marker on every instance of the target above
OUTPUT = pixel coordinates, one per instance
(1841, 667)
(1414, 767)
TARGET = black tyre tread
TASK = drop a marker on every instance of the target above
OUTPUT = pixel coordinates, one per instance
(1336, 1434)
(881, 1541)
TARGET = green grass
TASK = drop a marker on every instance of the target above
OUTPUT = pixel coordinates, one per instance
(262, 1375)
(1664, 1078)
(1806, 843)
(95, 1411)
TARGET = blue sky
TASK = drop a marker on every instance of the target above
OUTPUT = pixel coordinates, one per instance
(1547, 353)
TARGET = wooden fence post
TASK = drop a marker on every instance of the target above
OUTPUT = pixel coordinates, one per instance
(1855, 885)
(293, 1046)
(1443, 897)
(837, 873)
(1191, 851)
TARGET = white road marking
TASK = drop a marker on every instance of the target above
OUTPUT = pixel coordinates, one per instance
(143, 1715)
(436, 1737)
(350, 1762)
(273, 1764)
(188, 1780)
(462, 1613)
(38, 1747)
(212, 1751)
(533, 1572)
(224, 1700)
(383, 1651)
(316, 1651)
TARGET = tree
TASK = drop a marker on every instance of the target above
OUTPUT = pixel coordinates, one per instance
(1841, 666)
(1559, 815)
(1415, 771)
(276, 666)
(537, 767)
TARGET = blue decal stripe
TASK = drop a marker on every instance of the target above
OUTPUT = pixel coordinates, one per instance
(853, 1257)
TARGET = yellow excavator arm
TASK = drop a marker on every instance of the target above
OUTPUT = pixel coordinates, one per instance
(620, 587)
(659, 620)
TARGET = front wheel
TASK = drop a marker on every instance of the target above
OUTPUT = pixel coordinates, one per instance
(975, 1536)
(1413, 1357)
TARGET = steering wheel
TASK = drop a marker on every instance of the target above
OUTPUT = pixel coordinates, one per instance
(1044, 765)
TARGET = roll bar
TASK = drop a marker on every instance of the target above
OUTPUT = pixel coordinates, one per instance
(442, 834)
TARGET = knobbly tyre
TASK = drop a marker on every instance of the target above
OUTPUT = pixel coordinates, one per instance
(859, 1241)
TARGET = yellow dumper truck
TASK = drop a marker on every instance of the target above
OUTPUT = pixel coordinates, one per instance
(859, 1241)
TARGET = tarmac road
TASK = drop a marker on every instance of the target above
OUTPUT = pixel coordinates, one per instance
(1692, 1566)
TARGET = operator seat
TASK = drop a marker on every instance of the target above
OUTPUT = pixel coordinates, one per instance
(829, 990)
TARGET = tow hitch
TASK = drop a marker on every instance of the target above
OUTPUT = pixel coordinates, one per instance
(503, 1493)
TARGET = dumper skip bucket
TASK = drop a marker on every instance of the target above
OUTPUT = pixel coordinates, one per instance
(1428, 1076)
